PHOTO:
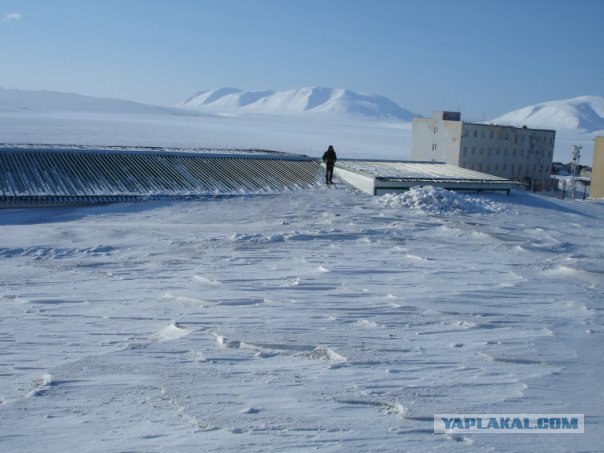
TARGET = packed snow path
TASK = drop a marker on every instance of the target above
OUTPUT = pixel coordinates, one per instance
(328, 320)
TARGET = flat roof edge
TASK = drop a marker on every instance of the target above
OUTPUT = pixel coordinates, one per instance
(509, 126)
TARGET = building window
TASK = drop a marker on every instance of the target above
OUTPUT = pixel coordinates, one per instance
(435, 130)
(434, 147)
(491, 134)
(475, 133)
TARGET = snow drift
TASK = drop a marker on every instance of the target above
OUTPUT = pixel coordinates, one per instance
(436, 200)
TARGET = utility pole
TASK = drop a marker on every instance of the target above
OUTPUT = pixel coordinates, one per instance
(576, 157)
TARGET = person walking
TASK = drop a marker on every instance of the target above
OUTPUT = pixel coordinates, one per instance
(329, 158)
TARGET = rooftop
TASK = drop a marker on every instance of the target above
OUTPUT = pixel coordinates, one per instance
(31, 175)
(379, 177)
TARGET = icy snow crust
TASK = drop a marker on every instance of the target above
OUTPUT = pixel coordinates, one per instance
(326, 320)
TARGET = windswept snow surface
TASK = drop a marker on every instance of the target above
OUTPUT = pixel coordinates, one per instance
(324, 320)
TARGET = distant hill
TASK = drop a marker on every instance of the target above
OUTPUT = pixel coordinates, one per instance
(304, 101)
(23, 101)
(583, 114)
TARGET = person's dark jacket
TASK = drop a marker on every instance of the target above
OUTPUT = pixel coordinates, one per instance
(329, 157)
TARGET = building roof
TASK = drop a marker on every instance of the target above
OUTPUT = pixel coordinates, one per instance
(523, 128)
(377, 177)
(37, 175)
(51, 175)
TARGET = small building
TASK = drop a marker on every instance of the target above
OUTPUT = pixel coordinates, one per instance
(519, 154)
(597, 171)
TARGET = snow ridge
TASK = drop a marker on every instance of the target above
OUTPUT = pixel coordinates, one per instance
(584, 113)
(310, 100)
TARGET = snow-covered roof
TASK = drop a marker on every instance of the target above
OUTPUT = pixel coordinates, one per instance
(378, 177)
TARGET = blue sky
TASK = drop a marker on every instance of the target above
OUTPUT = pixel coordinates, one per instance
(483, 57)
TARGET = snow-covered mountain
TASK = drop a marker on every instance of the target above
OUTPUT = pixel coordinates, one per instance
(307, 101)
(583, 114)
(25, 101)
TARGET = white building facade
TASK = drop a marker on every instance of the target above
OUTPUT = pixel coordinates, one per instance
(520, 154)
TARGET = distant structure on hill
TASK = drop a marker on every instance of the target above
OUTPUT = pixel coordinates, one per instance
(520, 154)
(597, 172)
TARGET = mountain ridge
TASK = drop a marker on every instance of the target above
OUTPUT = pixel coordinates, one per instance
(583, 113)
(42, 101)
(302, 101)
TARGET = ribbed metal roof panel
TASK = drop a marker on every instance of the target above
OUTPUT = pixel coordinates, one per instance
(73, 175)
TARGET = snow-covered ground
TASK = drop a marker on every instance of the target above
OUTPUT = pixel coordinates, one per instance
(311, 136)
(327, 320)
